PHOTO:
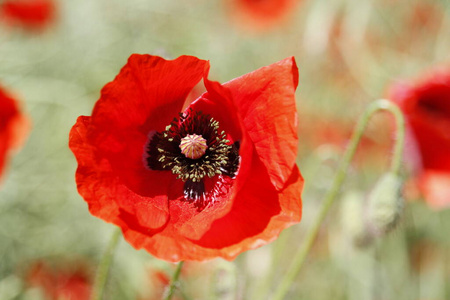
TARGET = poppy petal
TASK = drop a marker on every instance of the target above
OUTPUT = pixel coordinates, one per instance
(146, 84)
(102, 189)
(265, 99)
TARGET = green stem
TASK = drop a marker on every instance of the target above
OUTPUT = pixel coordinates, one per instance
(396, 160)
(103, 268)
(174, 281)
(339, 178)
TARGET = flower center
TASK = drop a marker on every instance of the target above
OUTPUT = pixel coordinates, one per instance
(193, 146)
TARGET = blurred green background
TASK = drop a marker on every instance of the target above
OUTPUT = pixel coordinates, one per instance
(348, 52)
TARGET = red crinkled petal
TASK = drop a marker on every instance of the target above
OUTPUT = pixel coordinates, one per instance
(108, 198)
(265, 99)
(148, 92)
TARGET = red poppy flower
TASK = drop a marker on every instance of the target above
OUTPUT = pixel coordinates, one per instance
(426, 105)
(32, 14)
(13, 127)
(216, 179)
(63, 282)
(261, 14)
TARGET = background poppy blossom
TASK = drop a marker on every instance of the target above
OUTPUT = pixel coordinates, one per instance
(239, 195)
(31, 14)
(69, 281)
(261, 14)
(13, 127)
(426, 105)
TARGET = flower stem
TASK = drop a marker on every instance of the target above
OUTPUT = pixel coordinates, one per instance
(174, 281)
(396, 160)
(103, 268)
(339, 178)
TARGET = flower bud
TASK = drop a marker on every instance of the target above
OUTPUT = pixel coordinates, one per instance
(384, 204)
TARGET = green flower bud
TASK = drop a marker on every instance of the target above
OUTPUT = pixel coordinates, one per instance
(384, 204)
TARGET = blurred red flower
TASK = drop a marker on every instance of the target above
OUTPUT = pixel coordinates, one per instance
(216, 180)
(426, 105)
(158, 283)
(66, 282)
(13, 127)
(31, 14)
(261, 14)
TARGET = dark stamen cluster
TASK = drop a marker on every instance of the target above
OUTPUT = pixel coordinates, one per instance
(220, 158)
